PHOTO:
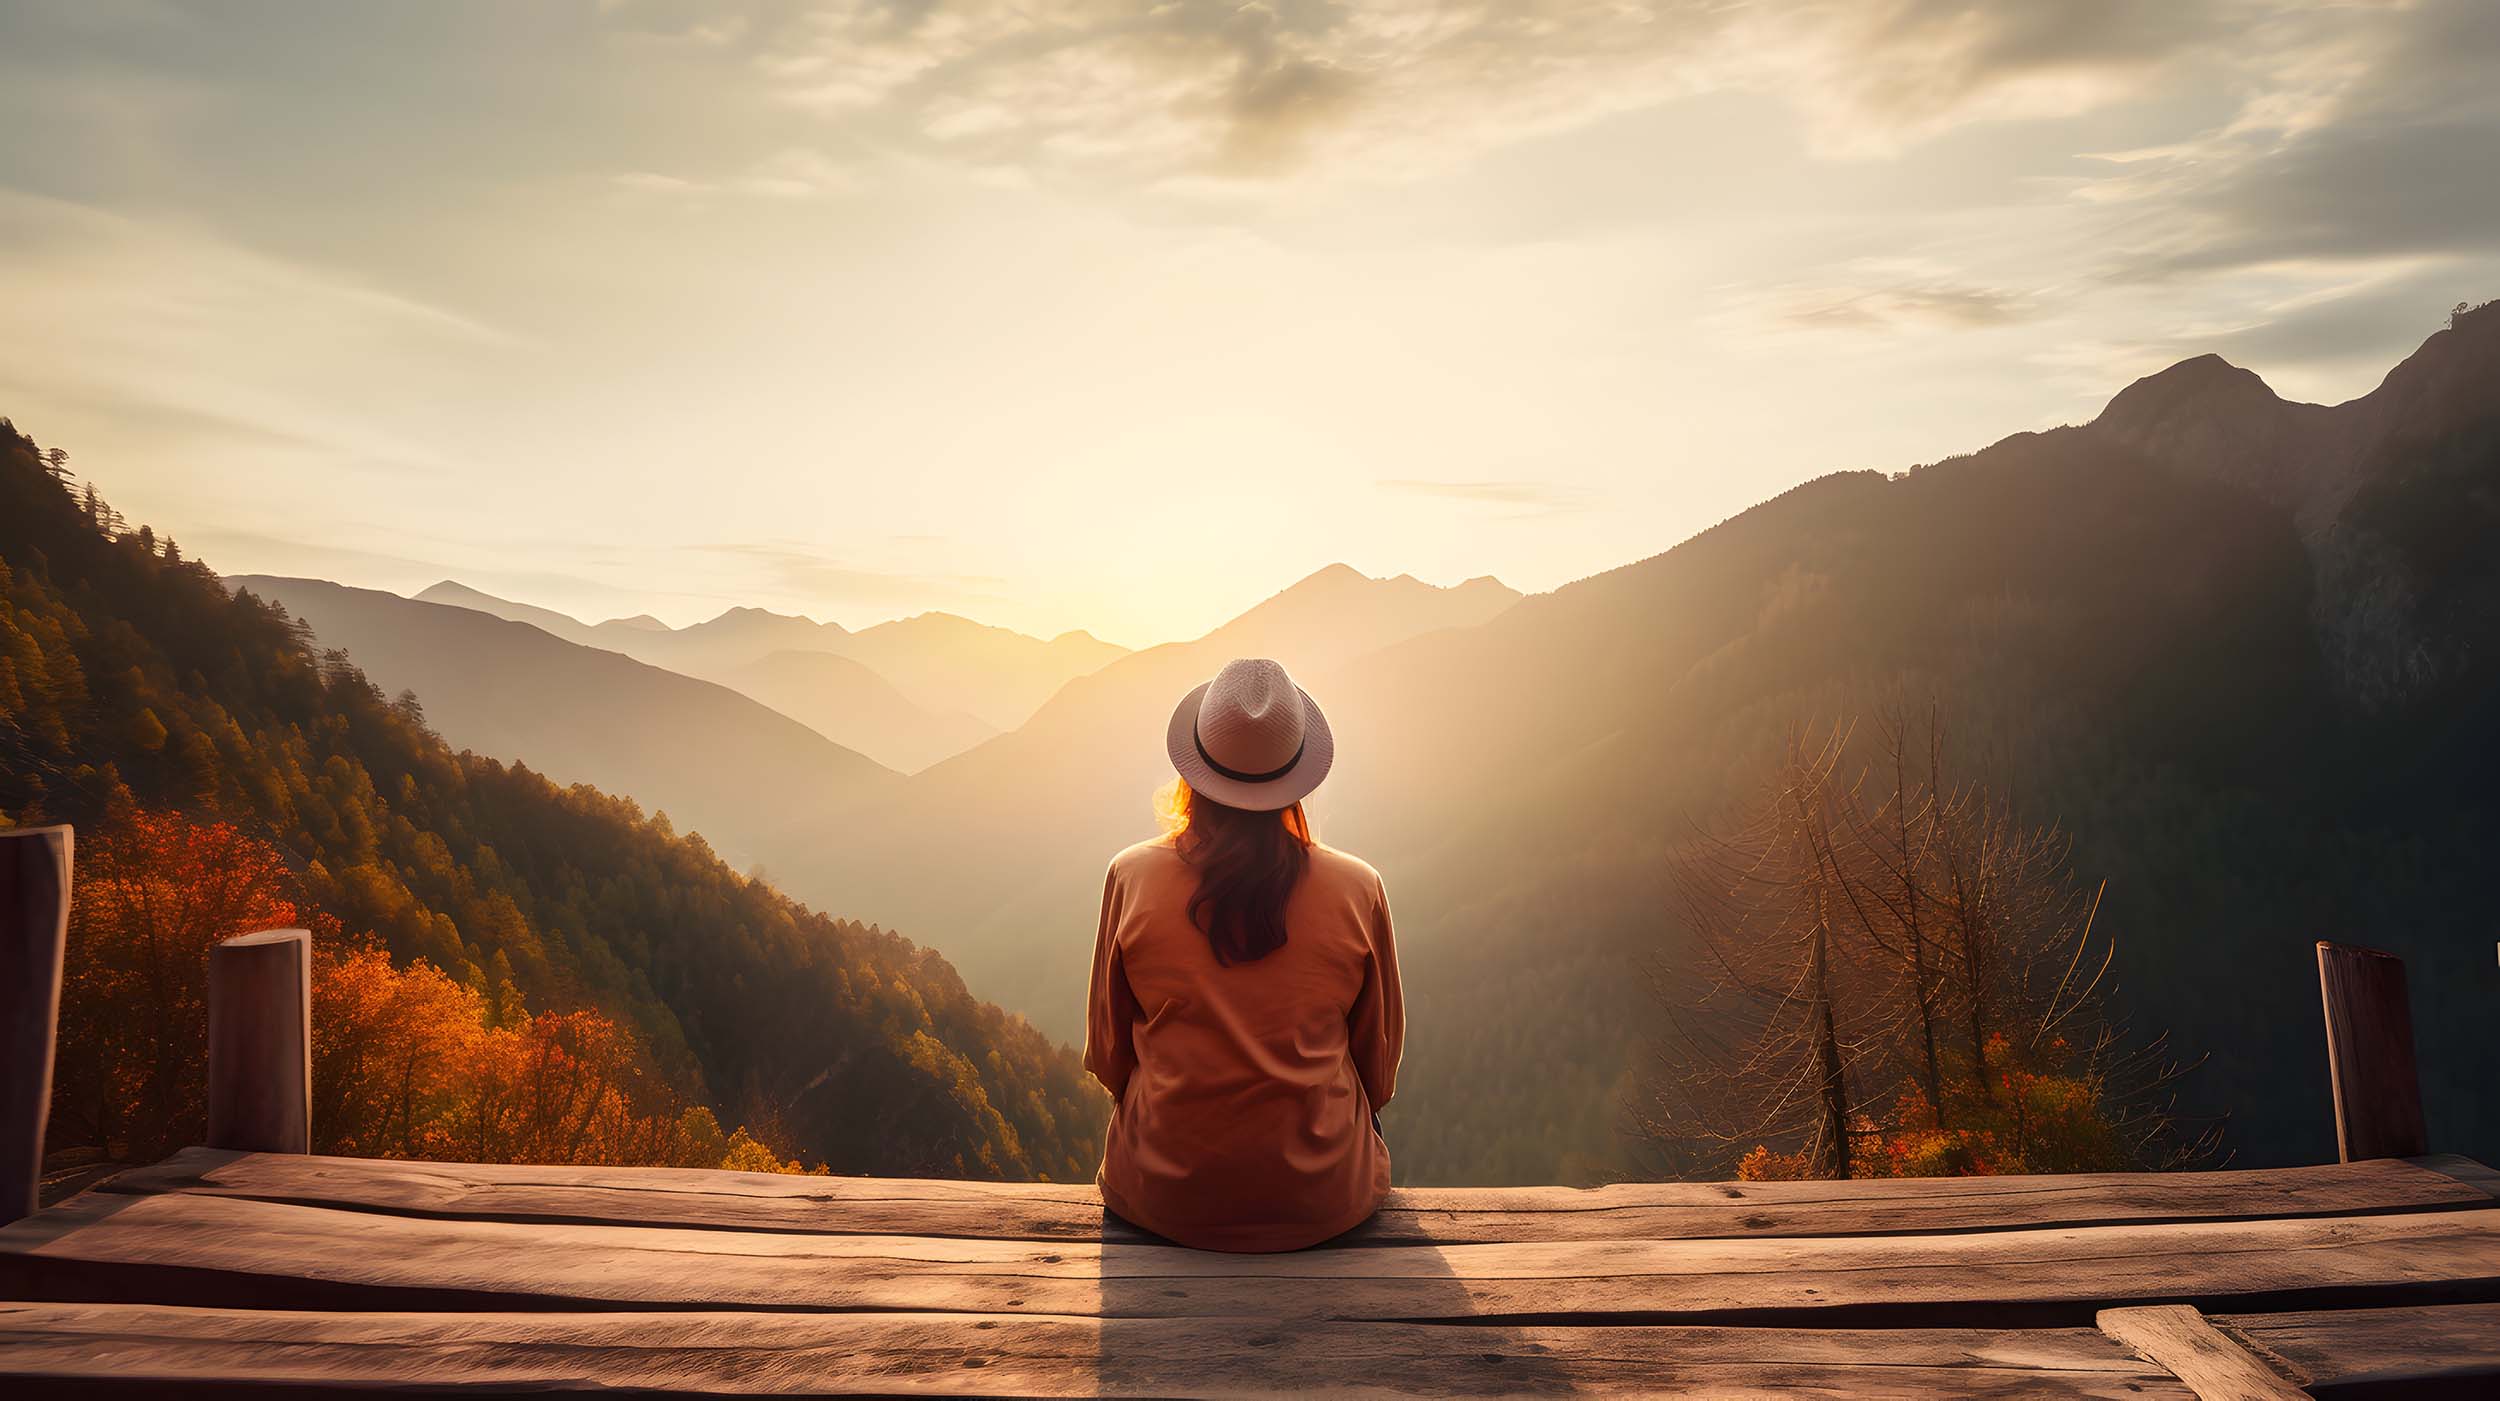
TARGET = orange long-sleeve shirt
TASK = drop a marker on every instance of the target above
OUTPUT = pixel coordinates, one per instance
(1244, 1094)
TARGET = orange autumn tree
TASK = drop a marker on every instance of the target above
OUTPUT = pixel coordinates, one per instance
(152, 894)
(407, 1062)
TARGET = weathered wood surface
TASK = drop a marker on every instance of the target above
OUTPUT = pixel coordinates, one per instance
(2359, 1349)
(2183, 1343)
(341, 1276)
(34, 924)
(260, 1042)
(771, 1202)
(2369, 1053)
(950, 1354)
(193, 1248)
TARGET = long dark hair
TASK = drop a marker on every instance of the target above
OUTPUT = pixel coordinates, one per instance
(1248, 864)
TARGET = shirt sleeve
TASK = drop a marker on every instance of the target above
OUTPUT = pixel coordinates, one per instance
(1378, 1021)
(1110, 1005)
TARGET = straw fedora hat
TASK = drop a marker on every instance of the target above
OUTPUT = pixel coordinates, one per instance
(1251, 738)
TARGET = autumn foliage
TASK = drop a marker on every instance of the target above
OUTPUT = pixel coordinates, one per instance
(408, 1062)
(1888, 973)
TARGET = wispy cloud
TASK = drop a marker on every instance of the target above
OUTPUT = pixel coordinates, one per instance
(796, 570)
(1540, 498)
(1937, 304)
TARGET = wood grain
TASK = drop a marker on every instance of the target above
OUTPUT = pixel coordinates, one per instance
(717, 1354)
(34, 925)
(2216, 1368)
(2369, 1053)
(1425, 1216)
(2362, 1348)
(198, 1249)
(260, 1042)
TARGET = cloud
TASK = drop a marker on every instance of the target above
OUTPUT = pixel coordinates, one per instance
(2377, 138)
(1178, 90)
(1891, 308)
(797, 570)
(1539, 498)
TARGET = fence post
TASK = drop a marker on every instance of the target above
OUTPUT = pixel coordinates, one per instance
(34, 927)
(2369, 1053)
(260, 1042)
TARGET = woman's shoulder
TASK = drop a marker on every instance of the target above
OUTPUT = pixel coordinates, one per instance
(1153, 856)
(1344, 868)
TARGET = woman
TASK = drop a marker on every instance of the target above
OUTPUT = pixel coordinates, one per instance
(1245, 1011)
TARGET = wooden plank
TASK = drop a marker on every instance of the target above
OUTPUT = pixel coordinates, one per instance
(2369, 1053)
(34, 929)
(2356, 1350)
(1427, 1216)
(2462, 1169)
(196, 1249)
(2213, 1366)
(722, 1354)
(260, 1042)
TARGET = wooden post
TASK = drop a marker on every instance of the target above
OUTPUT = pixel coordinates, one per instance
(2369, 1054)
(34, 928)
(260, 1042)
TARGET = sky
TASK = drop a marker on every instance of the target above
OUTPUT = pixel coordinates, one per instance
(1123, 316)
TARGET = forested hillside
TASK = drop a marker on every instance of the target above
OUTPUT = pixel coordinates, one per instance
(131, 680)
(2136, 640)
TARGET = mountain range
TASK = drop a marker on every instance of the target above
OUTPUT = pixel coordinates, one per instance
(958, 670)
(2241, 650)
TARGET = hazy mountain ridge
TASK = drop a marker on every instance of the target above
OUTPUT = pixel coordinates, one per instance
(942, 664)
(843, 699)
(716, 761)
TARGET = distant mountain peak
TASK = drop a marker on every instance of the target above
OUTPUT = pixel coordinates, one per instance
(2213, 419)
(448, 590)
(2205, 385)
(640, 622)
(1339, 573)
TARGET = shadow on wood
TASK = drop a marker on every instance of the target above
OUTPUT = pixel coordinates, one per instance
(34, 926)
(260, 1042)
(2369, 1053)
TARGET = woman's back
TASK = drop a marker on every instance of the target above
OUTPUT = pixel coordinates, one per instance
(1246, 1090)
(1245, 1015)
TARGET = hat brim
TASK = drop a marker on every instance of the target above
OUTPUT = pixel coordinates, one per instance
(1319, 750)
